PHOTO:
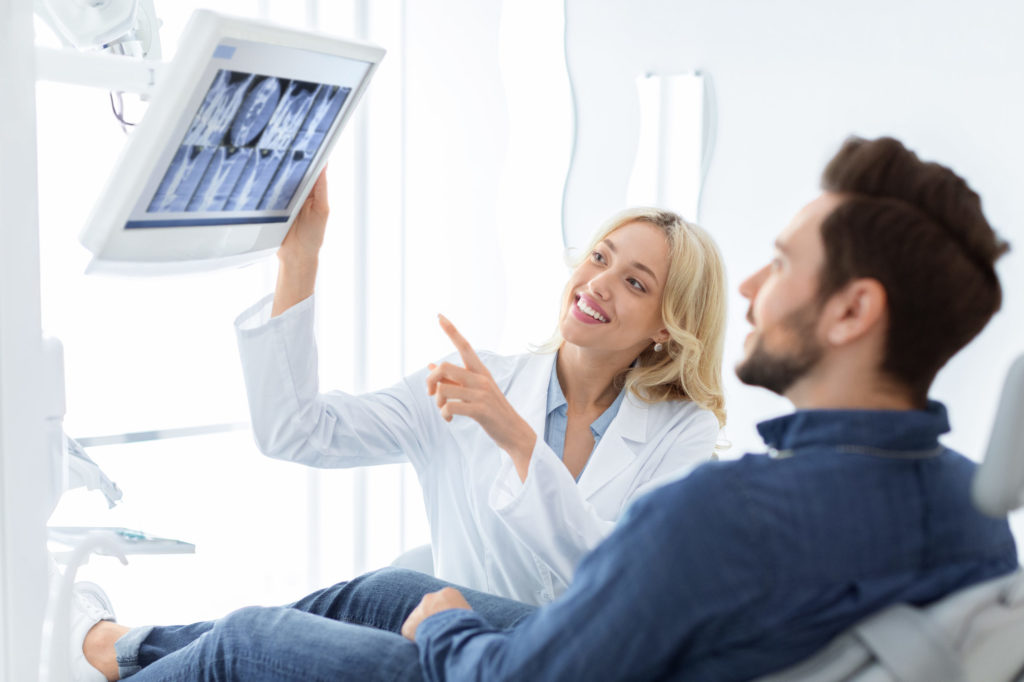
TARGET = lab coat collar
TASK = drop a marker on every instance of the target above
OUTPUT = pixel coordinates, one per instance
(624, 439)
(529, 389)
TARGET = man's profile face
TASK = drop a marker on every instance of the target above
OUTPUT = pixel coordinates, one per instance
(784, 345)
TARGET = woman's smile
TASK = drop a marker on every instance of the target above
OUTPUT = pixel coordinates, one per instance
(586, 310)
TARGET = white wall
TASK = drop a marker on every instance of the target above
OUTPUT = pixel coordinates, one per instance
(488, 141)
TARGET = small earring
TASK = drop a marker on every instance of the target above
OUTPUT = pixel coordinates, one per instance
(658, 347)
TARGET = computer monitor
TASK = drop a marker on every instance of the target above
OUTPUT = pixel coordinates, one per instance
(238, 129)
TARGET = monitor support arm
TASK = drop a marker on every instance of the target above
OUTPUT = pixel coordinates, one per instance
(102, 34)
(128, 27)
(98, 70)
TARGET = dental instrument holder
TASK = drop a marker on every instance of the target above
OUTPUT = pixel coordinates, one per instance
(128, 541)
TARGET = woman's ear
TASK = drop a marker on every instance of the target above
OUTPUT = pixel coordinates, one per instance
(661, 336)
(854, 311)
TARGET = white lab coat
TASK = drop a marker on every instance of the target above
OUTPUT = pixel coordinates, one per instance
(489, 530)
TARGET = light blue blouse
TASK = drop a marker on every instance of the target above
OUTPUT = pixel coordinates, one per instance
(557, 420)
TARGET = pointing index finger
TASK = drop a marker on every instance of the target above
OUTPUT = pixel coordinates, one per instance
(466, 352)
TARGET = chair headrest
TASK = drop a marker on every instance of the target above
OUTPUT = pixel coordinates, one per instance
(998, 486)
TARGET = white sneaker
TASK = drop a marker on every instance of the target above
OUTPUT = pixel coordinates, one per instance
(89, 605)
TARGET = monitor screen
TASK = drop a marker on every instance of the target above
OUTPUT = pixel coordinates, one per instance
(227, 152)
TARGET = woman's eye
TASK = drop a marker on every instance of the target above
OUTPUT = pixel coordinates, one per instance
(636, 284)
(596, 256)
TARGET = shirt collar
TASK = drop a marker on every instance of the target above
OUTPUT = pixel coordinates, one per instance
(600, 425)
(882, 429)
(556, 399)
(555, 396)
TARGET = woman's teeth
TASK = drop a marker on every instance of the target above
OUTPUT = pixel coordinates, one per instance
(590, 311)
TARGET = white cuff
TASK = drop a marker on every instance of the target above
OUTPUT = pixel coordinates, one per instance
(507, 490)
(259, 314)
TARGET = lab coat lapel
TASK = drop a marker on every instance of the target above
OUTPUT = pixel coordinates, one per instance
(528, 391)
(625, 437)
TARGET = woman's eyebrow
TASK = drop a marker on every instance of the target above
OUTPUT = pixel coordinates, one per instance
(636, 264)
(640, 266)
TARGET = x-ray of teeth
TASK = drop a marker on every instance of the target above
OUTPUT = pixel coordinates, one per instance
(257, 110)
(219, 108)
(327, 104)
(255, 179)
(288, 118)
(182, 179)
(249, 145)
(220, 179)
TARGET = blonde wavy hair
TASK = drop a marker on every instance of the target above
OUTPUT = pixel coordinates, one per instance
(692, 310)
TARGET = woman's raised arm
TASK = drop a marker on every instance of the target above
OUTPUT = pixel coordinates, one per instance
(299, 254)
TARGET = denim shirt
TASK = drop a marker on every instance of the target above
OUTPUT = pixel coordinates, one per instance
(748, 566)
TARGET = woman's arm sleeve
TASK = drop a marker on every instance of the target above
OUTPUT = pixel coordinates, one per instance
(292, 420)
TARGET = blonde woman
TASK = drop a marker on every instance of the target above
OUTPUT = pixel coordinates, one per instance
(526, 462)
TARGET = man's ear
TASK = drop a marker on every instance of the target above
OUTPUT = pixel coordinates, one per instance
(855, 310)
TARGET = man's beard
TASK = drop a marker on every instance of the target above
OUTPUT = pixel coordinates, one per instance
(779, 371)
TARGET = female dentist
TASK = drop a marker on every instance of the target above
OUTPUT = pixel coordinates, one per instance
(526, 462)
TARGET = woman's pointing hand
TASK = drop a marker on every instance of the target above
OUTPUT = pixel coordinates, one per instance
(471, 391)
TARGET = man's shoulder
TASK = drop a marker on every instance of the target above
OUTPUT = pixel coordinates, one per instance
(755, 481)
(711, 485)
(760, 483)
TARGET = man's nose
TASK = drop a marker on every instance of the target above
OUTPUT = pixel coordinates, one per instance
(750, 286)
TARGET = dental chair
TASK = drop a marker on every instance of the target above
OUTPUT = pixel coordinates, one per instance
(973, 635)
(419, 558)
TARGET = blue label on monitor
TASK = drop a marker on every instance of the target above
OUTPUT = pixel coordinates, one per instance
(224, 52)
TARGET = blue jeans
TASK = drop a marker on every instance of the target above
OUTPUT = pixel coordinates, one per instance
(345, 632)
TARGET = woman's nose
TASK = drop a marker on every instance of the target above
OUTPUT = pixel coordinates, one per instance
(600, 285)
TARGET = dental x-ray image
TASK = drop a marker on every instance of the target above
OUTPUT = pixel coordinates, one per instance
(250, 144)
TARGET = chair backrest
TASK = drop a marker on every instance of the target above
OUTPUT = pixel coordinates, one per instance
(419, 558)
(973, 635)
(999, 484)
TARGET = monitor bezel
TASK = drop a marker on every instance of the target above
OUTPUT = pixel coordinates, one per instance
(158, 250)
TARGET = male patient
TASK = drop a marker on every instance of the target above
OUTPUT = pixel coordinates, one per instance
(744, 567)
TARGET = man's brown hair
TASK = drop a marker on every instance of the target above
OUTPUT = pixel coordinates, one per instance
(918, 229)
